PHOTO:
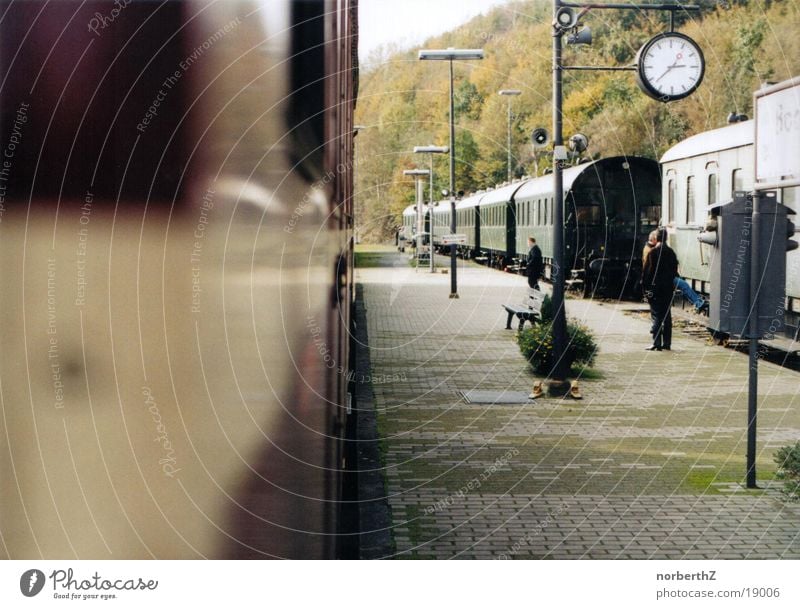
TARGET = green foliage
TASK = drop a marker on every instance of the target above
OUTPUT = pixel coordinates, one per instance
(536, 345)
(467, 101)
(547, 313)
(788, 460)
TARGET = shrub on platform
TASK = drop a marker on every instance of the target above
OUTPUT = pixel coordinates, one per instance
(536, 344)
(788, 460)
(547, 313)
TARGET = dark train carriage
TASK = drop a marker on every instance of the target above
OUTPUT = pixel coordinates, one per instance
(176, 244)
(610, 207)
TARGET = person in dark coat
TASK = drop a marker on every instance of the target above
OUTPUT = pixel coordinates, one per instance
(534, 265)
(658, 274)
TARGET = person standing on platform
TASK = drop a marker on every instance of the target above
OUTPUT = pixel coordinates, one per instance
(658, 275)
(534, 265)
(700, 303)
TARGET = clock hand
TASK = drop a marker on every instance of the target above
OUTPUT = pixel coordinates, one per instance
(674, 65)
(664, 74)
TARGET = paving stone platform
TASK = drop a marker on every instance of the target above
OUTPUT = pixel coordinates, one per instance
(648, 465)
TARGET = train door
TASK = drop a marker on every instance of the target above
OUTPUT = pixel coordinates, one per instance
(574, 235)
(477, 229)
(511, 230)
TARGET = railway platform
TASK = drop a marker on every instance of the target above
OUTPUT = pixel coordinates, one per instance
(649, 465)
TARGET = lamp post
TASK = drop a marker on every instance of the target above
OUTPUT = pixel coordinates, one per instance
(559, 373)
(417, 173)
(509, 93)
(431, 149)
(451, 55)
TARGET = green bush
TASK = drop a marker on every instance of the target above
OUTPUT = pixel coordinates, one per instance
(547, 312)
(536, 344)
(788, 460)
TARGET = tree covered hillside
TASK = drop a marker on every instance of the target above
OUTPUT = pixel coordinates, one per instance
(403, 102)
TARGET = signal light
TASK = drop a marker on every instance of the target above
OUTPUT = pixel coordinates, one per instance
(790, 245)
(539, 137)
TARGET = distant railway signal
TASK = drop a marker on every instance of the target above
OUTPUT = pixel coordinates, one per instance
(539, 137)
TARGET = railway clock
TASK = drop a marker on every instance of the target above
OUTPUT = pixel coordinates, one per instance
(669, 66)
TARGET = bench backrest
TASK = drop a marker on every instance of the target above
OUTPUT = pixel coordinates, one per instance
(533, 300)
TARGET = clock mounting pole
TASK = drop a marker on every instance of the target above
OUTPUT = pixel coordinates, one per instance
(565, 19)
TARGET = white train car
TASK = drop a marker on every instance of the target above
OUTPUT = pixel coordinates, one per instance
(699, 172)
(440, 221)
(704, 170)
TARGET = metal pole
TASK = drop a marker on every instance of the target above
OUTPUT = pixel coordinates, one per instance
(752, 386)
(453, 282)
(509, 138)
(420, 223)
(558, 374)
(430, 211)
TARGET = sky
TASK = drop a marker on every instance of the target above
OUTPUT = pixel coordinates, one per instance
(410, 22)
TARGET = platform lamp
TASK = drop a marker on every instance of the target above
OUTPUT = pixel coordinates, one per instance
(431, 149)
(452, 55)
(509, 93)
(419, 197)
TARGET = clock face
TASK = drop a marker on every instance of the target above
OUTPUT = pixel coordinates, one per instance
(670, 66)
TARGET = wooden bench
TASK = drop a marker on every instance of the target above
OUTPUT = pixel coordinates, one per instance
(529, 310)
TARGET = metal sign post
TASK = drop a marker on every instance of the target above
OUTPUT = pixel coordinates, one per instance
(776, 165)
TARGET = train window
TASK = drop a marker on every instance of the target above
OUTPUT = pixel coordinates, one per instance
(544, 213)
(737, 180)
(712, 189)
(538, 213)
(671, 195)
(690, 200)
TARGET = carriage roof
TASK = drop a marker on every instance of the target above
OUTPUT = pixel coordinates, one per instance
(725, 138)
(473, 200)
(502, 194)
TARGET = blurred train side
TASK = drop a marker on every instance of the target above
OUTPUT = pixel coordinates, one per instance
(176, 241)
(705, 170)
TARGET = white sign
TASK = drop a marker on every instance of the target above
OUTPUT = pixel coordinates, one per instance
(778, 135)
(451, 239)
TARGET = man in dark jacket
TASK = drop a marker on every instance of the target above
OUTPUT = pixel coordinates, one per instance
(659, 270)
(534, 265)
